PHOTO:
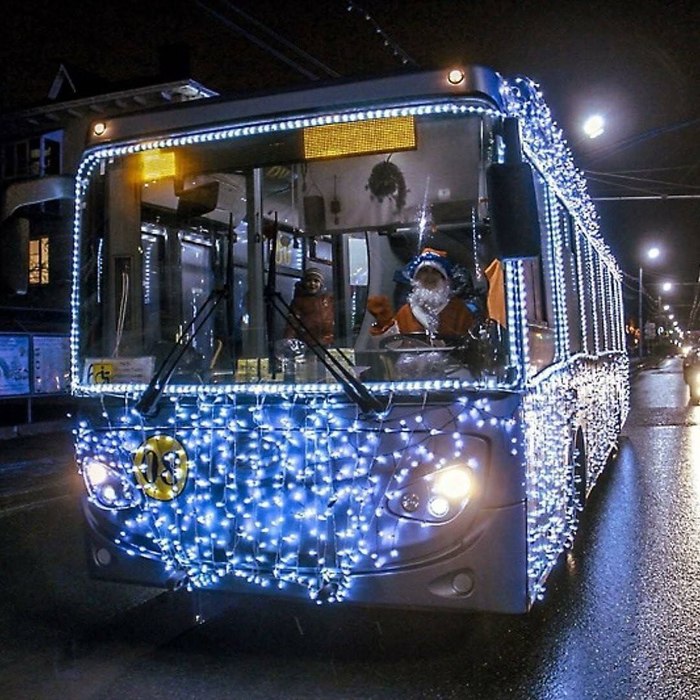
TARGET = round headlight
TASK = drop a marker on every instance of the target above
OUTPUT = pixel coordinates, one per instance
(95, 473)
(439, 506)
(455, 483)
(410, 502)
(109, 487)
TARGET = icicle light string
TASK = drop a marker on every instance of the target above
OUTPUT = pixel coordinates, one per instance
(387, 41)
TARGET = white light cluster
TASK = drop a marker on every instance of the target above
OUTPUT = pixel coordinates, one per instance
(517, 315)
(290, 493)
(585, 393)
(546, 146)
(554, 251)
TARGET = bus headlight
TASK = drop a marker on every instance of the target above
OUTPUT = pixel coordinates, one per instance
(455, 483)
(108, 487)
(437, 497)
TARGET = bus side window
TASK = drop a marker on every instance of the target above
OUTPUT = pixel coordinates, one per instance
(540, 335)
(571, 287)
(539, 275)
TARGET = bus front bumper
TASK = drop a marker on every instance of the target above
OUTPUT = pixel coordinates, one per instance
(487, 574)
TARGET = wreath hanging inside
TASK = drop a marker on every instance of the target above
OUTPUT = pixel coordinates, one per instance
(386, 181)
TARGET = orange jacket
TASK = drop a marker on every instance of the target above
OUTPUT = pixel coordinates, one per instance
(455, 319)
(316, 312)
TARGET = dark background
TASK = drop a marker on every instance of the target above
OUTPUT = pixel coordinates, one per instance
(637, 63)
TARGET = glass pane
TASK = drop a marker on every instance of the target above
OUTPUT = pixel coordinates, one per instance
(177, 251)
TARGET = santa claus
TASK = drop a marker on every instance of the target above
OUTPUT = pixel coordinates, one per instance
(431, 309)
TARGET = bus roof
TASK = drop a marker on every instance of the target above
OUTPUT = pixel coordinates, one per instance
(518, 97)
(309, 100)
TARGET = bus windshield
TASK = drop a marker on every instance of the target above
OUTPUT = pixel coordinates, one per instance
(268, 255)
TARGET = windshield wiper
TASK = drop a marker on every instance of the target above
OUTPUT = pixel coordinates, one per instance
(354, 389)
(147, 405)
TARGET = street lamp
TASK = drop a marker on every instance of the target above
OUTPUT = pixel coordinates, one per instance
(651, 253)
(594, 126)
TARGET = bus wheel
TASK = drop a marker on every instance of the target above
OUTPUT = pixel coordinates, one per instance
(615, 449)
(577, 475)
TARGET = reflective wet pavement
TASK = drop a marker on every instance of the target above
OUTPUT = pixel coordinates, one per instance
(621, 617)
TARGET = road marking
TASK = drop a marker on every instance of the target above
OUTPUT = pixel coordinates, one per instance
(11, 510)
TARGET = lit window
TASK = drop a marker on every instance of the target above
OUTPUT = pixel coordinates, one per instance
(39, 260)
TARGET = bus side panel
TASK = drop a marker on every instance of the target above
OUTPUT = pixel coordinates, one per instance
(588, 396)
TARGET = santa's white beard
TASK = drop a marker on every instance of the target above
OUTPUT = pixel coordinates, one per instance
(427, 304)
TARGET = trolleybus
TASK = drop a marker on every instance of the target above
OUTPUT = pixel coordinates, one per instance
(227, 443)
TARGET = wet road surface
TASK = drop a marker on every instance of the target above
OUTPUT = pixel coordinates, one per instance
(621, 617)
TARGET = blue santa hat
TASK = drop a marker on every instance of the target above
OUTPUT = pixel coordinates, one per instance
(430, 257)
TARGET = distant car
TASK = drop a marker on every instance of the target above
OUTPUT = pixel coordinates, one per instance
(691, 373)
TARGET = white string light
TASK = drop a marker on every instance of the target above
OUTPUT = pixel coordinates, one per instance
(289, 486)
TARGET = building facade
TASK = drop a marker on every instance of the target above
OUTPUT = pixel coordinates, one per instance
(40, 148)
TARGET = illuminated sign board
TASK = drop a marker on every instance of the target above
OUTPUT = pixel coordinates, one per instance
(361, 137)
(157, 164)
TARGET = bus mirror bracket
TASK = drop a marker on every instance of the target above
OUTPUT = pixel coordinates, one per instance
(197, 201)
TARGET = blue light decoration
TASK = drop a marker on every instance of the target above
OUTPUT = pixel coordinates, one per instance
(289, 486)
(294, 492)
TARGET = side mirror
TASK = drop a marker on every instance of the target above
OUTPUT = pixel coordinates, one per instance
(197, 201)
(515, 223)
(14, 255)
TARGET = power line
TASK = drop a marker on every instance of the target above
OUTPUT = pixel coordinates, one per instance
(257, 41)
(302, 61)
(640, 179)
(634, 140)
(282, 40)
(644, 197)
(385, 38)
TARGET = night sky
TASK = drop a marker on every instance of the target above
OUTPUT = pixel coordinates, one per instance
(637, 63)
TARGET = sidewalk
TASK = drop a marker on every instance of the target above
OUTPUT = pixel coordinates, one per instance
(10, 432)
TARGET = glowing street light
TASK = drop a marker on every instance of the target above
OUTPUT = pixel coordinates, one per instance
(594, 126)
(652, 253)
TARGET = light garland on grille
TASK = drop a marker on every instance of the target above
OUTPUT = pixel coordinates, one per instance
(284, 493)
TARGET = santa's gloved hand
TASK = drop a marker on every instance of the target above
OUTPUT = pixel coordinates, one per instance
(380, 307)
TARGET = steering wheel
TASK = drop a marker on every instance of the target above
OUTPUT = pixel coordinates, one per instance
(400, 342)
